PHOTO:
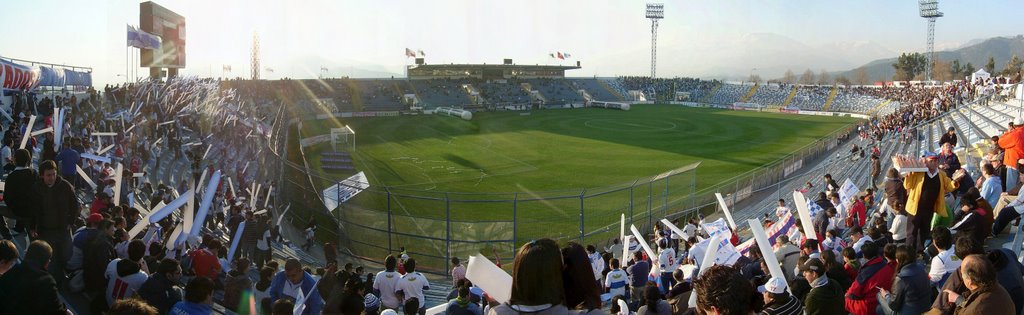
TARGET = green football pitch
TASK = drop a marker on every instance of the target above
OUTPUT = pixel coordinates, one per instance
(546, 153)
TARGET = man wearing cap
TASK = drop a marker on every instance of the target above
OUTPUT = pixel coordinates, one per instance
(777, 301)
(81, 239)
(925, 197)
(948, 137)
(825, 297)
(1012, 142)
(948, 161)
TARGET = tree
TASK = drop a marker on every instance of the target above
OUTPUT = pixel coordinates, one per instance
(968, 70)
(956, 69)
(990, 66)
(842, 80)
(941, 71)
(789, 77)
(1013, 66)
(861, 76)
(807, 77)
(911, 65)
(823, 78)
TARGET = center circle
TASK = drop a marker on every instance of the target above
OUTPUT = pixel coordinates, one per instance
(629, 125)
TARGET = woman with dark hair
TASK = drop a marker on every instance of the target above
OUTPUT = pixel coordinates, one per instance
(536, 285)
(653, 303)
(911, 293)
(834, 270)
(970, 220)
(582, 292)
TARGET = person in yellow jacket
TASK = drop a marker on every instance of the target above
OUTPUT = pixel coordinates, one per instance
(926, 193)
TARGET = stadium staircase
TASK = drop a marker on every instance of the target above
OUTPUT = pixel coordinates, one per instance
(357, 95)
(879, 107)
(611, 90)
(707, 98)
(789, 99)
(831, 98)
(750, 93)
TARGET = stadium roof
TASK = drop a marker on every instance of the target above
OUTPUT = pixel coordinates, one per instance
(487, 71)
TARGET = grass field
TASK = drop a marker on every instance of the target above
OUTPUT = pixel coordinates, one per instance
(550, 152)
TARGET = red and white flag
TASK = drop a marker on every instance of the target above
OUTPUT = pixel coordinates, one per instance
(560, 56)
(410, 53)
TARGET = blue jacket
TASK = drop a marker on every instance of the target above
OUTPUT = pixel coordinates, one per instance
(313, 301)
(189, 308)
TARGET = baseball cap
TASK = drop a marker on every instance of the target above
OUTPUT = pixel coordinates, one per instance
(950, 129)
(389, 312)
(1018, 121)
(93, 218)
(774, 285)
(813, 265)
(929, 154)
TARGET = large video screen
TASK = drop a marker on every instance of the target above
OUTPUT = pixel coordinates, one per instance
(170, 26)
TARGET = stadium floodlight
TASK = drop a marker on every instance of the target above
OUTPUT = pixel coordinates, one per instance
(655, 12)
(930, 11)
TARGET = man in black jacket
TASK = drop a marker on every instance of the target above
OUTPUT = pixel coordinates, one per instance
(28, 288)
(159, 290)
(58, 209)
(18, 190)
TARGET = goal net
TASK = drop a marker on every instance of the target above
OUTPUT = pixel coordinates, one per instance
(344, 136)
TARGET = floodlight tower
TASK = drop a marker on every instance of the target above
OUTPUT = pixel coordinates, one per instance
(655, 12)
(930, 10)
(255, 63)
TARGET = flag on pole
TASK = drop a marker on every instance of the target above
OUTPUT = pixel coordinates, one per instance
(270, 69)
(226, 68)
(422, 54)
(410, 53)
(813, 208)
(566, 55)
(323, 69)
(560, 56)
(140, 39)
(552, 55)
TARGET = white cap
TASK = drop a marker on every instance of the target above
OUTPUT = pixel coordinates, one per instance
(774, 285)
(389, 312)
(1018, 121)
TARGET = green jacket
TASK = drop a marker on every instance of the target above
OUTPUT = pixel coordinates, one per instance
(825, 299)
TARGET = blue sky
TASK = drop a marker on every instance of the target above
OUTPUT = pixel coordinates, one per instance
(697, 38)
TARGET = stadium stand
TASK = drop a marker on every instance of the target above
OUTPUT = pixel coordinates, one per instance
(729, 94)
(509, 92)
(435, 93)
(378, 95)
(593, 87)
(555, 91)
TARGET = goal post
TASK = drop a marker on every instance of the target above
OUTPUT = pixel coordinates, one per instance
(343, 135)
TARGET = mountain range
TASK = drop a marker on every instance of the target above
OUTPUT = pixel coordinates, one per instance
(976, 52)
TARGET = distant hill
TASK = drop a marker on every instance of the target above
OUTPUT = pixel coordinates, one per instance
(1002, 48)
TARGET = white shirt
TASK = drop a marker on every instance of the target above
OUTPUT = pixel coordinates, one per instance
(667, 259)
(412, 285)
(860, 243)
(616, 281)
(387, 282)
(781, 211)
(262, 243)
(689, 229)
(942, 264)
(597, 264)
(899, 227)
(5, 154)
(292, 289)
(119, 287)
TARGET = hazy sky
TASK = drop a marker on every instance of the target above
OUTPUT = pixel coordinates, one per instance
(608, 37)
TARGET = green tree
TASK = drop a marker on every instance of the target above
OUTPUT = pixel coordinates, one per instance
(956, 69)
(990, 66)
(909, 66)
(1013, 66)
(807, 77)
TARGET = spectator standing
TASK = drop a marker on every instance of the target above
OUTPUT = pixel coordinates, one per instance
(69, 159)
(876, 169)
(1012, 142)
(638, 275)
(18, 191)
(237, 284)
(948, 137)
(458, 272)
(386, 283)
(616, 281)
(925, 191)
(412, 285)
(58, 209)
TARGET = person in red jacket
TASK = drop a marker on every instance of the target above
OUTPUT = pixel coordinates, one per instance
(876, 273)
(858, 213)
